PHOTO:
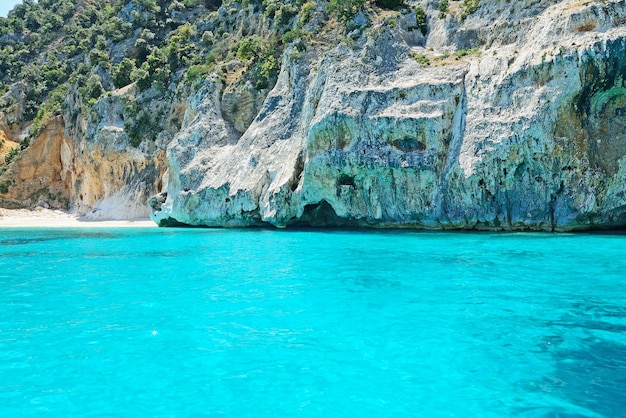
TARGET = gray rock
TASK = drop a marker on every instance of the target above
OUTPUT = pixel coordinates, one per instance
(525, 134)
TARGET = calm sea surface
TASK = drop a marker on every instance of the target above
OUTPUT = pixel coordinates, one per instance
(265, 323)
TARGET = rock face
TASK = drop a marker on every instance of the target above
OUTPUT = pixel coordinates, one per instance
(513, 118)
(492, 115)
(83, 161)
(40, 175)
(110, 178)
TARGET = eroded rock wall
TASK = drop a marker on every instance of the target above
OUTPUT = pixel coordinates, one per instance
(512, 118)
(111, 178)
(84, 162)
(40, 176)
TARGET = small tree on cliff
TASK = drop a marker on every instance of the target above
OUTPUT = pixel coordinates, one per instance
(344, 9)
(122, 72)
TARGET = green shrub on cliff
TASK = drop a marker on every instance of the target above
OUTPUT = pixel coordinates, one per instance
(92, 89)
(270, 7)
(179, 47)
(43, 116)
(344, 9)
(421, 59)
(420, 20)
(250, 47)
(196, 72)
(295, 35)
(12, 155)
(443, 8)
(122, 72)
(306, 12)
(469, 7)
(283, 16)
(142, 77)
(265, 65)
(266, 72)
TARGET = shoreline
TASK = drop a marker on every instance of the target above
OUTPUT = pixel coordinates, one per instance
(54, 218)
(49, 218)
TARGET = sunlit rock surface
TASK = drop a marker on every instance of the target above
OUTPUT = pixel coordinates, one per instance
(514, 118)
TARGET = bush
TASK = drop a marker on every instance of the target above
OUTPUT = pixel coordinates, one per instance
(99, 56)
(141, 128)
(4, 187)
(306, 12)
(469, 7)
(92, 89)
(464, 52)
(344, 9)
(270, 7)
(283, 15)
(294, 35)
(250, 48)
(156, 70)
(420, 20)
(443, 9)
(13, 155)
(196, 72)
(421, 59)
(142, 77)
(207, 38)
(122, 72)
(43, 116)
(266, 72)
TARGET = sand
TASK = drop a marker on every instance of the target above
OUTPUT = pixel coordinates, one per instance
(47, 218)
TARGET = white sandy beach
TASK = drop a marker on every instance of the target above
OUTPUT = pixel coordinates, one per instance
(48, 218)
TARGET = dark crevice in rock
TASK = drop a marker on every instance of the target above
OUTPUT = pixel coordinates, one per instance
(322, 214)
(346, 180)
(409, 144)
(298, 169)
(553, 201)
(213, 4)
(172, 222)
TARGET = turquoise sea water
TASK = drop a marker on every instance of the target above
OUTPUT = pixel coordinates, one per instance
(264, 323)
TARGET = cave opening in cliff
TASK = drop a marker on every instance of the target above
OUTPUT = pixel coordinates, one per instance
(322, 215)
(346, 180)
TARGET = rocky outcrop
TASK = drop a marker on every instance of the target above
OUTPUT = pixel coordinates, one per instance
(111, 179)
(512, 118)
(40, 175)
(103, 155)
(492, 115)
(84, 162)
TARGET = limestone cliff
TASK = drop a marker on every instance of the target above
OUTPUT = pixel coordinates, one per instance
(40, 175)
(485, 114)
(512, 117)
(83, 161)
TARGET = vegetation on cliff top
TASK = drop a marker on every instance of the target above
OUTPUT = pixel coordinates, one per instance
(51, 48)
(52, 45)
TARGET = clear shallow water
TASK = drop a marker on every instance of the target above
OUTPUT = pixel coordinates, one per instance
(260, 323)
